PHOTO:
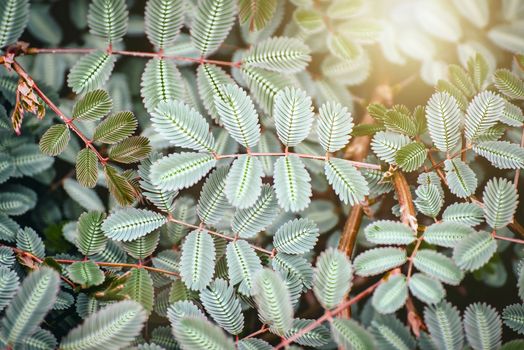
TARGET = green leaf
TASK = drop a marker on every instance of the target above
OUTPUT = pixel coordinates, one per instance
(142, 247)
(213, 203)
(461, 179)
(443, 118)
(426, 289)
(119, 186)
(343, 48)
(139, 287)
(293, 115)
(292, 183)
(243, 264)
(182, 309)
(86, 273)
(386, 145)
(220, 302)
(348, 183)
(308, 20)
(484, 111)
(483, 326)
(296, 270)
(9, 283)
(30, 305)
(447, 234)
(500, 202)
(115, 128)
(273, 301)
(429, 200)
(128, 224)
(163, 20)
(250, 221)
(29, 241)
(87, 167)
(509, 84)
(512, 115)
(316, 337)
(14, 15)
(502, 154)
(244, 181)
(467, 213)
(334, 126)
(210, 79)
(297, 236)
(111, 328)
(378, 260)
(264, 85)
(91, 239)
(513, 316)
(474, 250)
(211, 25)
(348, 334)
(399, 120)
(161, 82)
(411, 156)
(163, 200)
(390, 333)
(108, 19)
(55, 140)
(181, 170)
(131, 150)
(182, 126)
(28, 159)
(332, 278)
(390, 295)
(253, 343)
(17, 200)
(237, 112)
(389, 232)
(279, 54)
(7, 168)
(198, 333)
(478, 69)
(445, 326)
(438, 266)
(91, 71)
(8, 228)
(93, 106)
(85, 197)
(256, 12)
(197, 262)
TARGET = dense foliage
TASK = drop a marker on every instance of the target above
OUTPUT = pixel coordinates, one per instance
(223, 174)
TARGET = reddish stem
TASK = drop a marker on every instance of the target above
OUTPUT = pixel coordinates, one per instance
(502, 238)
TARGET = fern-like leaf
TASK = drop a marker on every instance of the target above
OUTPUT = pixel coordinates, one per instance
(139, 287)
(198, 260)
(93, 106)
(181, 170)
(279, 54)
(292, 183)
(163, 200)
(30, 305)
(85, 273)
(244, 181)
(429, 200)
(390, 295)
(182, 126)
(212, 23)
(483, 112)
(390, 333)
(474, 250)
(55, 140)
(378, 260)
(502, 154)
(334, 126)
(500, 202)
(293, 115)
(332, 278)
(296, 237)
(243, 264)
(509, 84)
(91, 71)
(264, 85)
(461, 179)
(161, 82)
(9, 283)
(115, 128)
(249, 221)
(386, 145)
(112, 328)
(483, 326)
(142, 247)
(348, 334)
(108, 19)
(389, 232)
(438, 266)
(198, 333)
(467, 213)
(210, 79)
(220, 302)
(426, 289)
(348, 183)
(130, 150)
(130, 223)
(257, 13)
(163, 20)
(237, 112)
(91, 239)
(443, 118)
(14, 15)
(273, 301)
(411, 156)
(445, 326)
(213, 203)
(447, 234)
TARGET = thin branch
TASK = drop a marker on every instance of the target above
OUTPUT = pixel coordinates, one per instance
(142, 54)
(108, 264)
(502, 238)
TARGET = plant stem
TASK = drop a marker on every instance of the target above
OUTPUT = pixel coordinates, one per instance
(502, 238)
(35, 51)
(108, 264)
(69, 122)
